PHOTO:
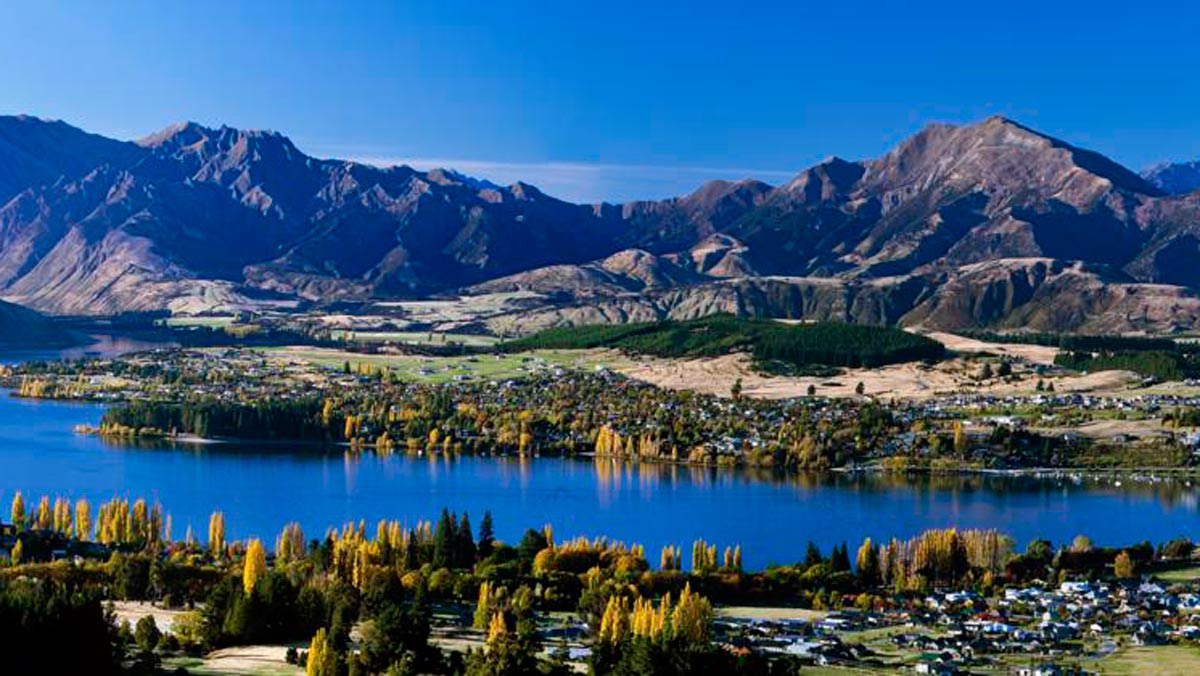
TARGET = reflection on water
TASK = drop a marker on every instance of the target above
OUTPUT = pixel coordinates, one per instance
(261, 487)
(1171, 491)
(101, 345)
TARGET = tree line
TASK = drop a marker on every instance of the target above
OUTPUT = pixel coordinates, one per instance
(767, 341)
(385, 581)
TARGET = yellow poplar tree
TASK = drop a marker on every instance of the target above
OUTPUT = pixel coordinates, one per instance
(62, 516)
(322, 660)
(83, 519)
(483, 607)
(692, 618)
(216, 533)
(498, 628)
(45, 518)
(290, 545)
(1123, 565)
(255, 565)
(18, 509)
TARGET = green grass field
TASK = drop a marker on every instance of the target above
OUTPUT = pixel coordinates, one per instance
(203, 667)
(1176, 575)
(449, 369)
(416, 338)
(1165, 660)
(211, 322)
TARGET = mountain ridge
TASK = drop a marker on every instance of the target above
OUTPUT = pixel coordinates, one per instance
(194, 218)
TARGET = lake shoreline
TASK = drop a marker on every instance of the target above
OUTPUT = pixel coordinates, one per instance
(1140, 473)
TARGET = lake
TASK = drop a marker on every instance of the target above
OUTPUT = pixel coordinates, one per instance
(261, 488)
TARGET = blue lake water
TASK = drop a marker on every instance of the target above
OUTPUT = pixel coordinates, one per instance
(261, 488)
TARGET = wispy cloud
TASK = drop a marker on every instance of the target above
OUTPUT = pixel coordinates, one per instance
(587, 182)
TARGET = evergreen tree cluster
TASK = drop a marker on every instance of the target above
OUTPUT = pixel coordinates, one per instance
(767, 341)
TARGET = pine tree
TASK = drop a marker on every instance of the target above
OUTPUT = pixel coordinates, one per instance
(839, 559)
(464, 546)
(867, 561)
(487, 536)
(812, 555)
(443, 541)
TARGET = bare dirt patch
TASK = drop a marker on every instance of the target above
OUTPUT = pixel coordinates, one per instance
(132, 611)
(770, 613)
(717, 375)
(253, 659)
(1108, 429)
(1035, 354)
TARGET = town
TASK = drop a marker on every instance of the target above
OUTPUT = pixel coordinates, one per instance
(557, 403)
(432, 596)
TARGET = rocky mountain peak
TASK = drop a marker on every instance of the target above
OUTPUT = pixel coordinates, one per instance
(197, 215)
(176, 135)
(1174, 178)
(711, 192)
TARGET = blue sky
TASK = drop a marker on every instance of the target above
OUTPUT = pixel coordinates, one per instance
(613, 100)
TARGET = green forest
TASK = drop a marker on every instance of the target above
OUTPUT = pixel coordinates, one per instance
(1079, 342)
(1159, 364)
(767, 341)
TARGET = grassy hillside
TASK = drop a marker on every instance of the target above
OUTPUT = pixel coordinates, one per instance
(768, 342)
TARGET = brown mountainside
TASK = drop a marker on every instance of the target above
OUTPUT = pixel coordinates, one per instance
(991, 224)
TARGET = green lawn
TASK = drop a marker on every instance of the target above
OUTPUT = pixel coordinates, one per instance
(1175, 575)
(1166, 660)
(202, 667)
(416, 338)
(217, 322)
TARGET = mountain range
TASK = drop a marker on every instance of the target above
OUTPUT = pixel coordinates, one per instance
(985, 225)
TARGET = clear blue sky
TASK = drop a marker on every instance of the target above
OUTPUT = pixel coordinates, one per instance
(613, 99)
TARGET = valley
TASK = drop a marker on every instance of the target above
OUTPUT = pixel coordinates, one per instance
(599, 339)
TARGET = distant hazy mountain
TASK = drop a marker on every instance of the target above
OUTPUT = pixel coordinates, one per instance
(991, 224)
(1174, 178)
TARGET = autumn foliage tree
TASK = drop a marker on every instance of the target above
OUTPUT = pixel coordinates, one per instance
(255, 565)
(216, 534)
